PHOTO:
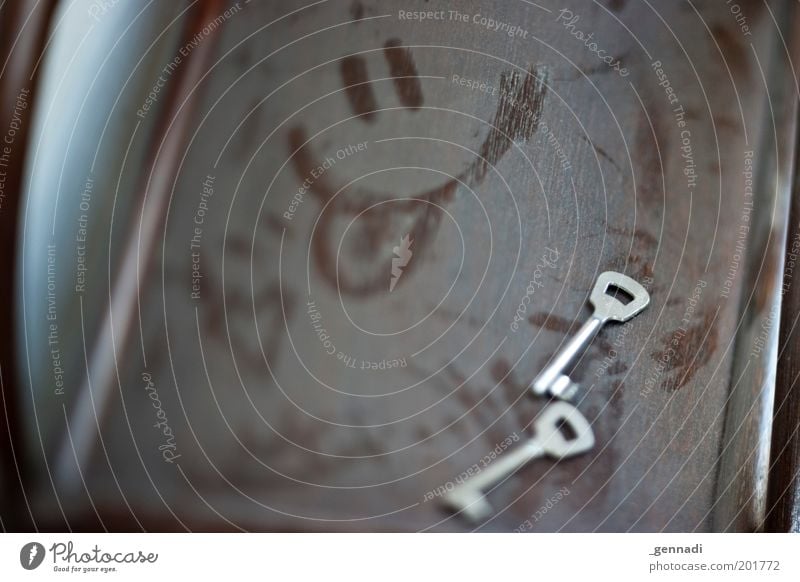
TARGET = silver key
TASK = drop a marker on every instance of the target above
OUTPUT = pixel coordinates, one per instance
(553, 380)
(468, 498)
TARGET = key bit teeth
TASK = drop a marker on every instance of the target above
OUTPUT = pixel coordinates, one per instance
(472, 505)
(563, 387)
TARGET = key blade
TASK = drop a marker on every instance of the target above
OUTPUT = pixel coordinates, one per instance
(611, 308)
(550, 437)
(469, 503)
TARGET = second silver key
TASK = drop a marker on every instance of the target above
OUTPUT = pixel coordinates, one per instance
(553, 380)
(469, 498)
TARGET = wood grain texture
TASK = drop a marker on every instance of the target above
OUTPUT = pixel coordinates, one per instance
(550, 168)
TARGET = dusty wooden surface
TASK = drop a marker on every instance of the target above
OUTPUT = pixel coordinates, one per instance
(559, 168)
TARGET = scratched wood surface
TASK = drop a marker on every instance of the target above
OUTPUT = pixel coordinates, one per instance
(323, 374)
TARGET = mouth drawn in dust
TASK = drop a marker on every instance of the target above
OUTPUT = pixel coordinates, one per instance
(516, 118)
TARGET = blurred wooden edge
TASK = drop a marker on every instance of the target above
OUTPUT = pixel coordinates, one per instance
(138, 250)
(24, 30)
(783, 492)
(24, 27)
(741, 500)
